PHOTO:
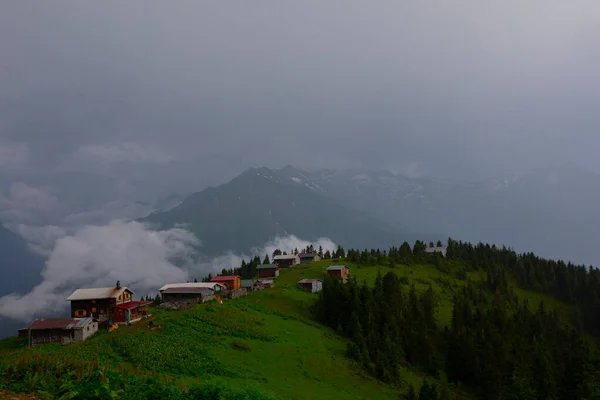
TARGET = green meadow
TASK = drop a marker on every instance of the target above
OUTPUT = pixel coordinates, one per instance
(265, 345)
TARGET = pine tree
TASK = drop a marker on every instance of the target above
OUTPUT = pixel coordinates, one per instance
(327, 255)
(411, 394)
(195, 280)
(266, 260)
(320, 253)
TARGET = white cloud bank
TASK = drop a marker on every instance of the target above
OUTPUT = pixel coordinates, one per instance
(129, 252)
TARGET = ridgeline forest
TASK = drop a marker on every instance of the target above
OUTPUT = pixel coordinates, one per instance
(481, 322)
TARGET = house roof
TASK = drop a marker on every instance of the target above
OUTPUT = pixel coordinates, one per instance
(436, 249)
(336, 267)
(224, 278)
(206, 285)
(189, 290)
(98, 293)
(311, 281)
(284, 257)
(306, 255)
(132, 304)
(60, 323)
(263, 281)
(246, 283)
(267, 266)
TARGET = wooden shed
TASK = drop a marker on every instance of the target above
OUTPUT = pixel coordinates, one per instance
(61, 330)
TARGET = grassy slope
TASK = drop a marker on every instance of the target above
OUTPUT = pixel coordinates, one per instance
(266, 340)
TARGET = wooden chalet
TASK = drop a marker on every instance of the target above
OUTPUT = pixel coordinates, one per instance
(268, 270)
(286, 260)
(307, 258)
(339, 271)
(99, 303)
(60, 330)
(231, 282)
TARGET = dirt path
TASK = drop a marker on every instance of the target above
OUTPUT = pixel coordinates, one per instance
(13, 396)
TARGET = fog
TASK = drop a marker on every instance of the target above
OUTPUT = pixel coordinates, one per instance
(129, 252)
(109, 107)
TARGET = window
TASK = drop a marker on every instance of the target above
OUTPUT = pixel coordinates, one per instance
(127, 295)
(93, 301)
(93, 309)
(120, 298)
(80, 313)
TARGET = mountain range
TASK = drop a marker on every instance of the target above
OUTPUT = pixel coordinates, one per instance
(551, 211)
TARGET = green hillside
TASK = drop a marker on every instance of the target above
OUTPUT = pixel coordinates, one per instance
(258, 205)
(266, 345)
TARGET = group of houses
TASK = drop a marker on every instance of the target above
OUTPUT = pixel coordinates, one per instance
(92, 308)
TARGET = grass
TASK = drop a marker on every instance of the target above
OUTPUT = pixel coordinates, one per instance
(265, 340)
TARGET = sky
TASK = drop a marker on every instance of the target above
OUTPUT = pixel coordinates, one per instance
(103, 104)
(181, 90)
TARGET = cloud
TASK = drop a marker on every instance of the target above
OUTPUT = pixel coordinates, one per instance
(291, 242)
(98, 256)
(143, 259)
(41, 239)
(13, 156)
(25, 203)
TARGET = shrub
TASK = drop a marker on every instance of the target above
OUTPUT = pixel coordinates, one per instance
(240, 346)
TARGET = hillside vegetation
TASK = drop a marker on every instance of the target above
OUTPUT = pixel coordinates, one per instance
(270, 345)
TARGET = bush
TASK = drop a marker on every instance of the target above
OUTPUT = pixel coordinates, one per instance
(240, 346)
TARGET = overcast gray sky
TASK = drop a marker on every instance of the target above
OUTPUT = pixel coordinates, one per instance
(189, 88)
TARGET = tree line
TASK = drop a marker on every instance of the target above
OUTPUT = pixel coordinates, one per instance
(495, 345)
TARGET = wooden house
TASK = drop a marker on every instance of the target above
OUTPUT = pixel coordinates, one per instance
(252, 284)
(197, 292)
(61, 330)
(268, 270)
(339, 271)
(438, 249)
(131, 311)
(231, 282)
(286, 260)
(98, 302)
(267, 283)
(307, 258)
(310, 285)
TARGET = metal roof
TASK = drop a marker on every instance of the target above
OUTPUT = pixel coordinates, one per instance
(189, 290)
(266, 281)
(60, 323)
(311, 281)
(267, 266)
(98, 293)
(336, 267)
(132, 304)
(284, 257)
(206, 285)
(306, 255)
